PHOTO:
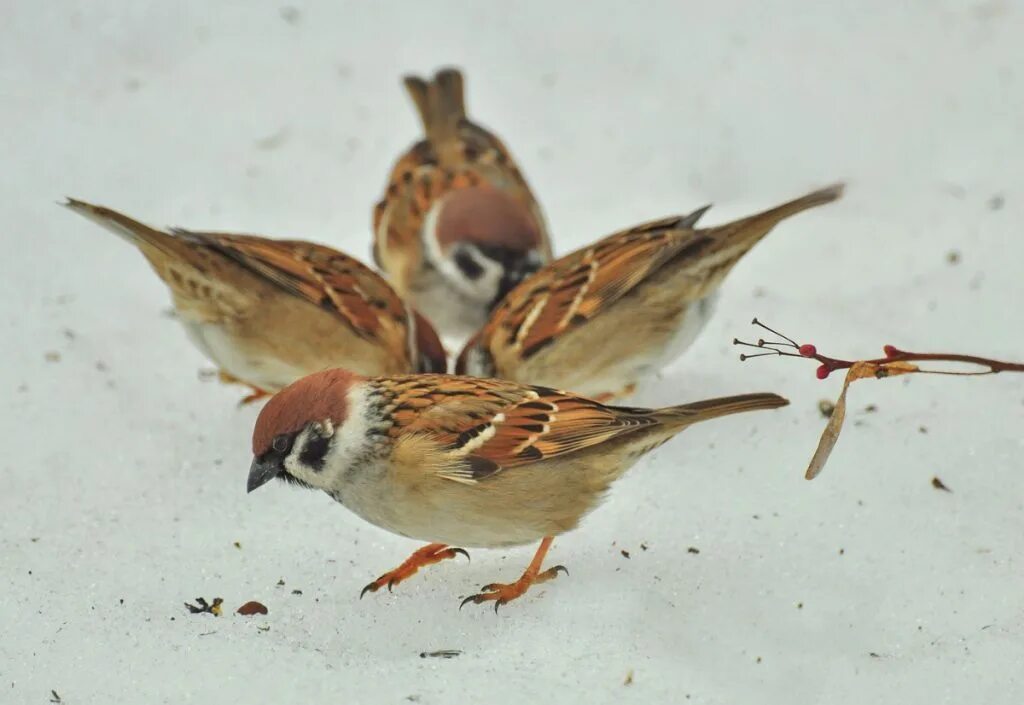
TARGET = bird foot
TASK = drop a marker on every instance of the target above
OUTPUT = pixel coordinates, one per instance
(503, 593)
(429, 554)
(257, 393)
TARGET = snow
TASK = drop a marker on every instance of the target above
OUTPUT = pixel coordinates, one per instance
(124, 469)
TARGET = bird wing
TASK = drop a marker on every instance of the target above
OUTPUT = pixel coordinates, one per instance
(320, 275)
(576, 288)
(484, 426)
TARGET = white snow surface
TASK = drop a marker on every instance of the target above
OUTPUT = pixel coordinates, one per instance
(123, 469)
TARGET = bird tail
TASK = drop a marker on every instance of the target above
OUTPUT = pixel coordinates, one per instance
(440, 103)
(139, 234)
(746, 232)
(689, 414)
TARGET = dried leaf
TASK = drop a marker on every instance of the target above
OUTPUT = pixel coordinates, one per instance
(252, 607)
(859, 370)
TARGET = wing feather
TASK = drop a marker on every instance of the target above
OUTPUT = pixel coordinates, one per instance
(322, 276)
(487, 426)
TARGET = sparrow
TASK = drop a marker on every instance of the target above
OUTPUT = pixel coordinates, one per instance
(268, 312)
(461, 460)
(601, 319)
(458, 226)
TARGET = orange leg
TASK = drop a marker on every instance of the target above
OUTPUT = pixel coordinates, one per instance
(257, 393)
(506, 592)
(431, 553)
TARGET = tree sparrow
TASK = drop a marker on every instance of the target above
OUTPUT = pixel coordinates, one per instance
(461, 460)
(268, 312)
(458, 226)
(604, 317)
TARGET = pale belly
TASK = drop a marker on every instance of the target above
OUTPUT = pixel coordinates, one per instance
(222, 349)
(453, 314)
(514, 507)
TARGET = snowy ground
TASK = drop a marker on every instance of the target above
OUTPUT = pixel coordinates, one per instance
(124, 470)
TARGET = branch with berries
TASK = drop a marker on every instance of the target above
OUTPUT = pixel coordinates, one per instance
(895, 362)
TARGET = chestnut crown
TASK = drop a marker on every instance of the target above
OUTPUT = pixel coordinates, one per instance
(321, 395)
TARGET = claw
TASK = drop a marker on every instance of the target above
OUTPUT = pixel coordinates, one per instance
(428, 555)
(461, 551)
(502, 593)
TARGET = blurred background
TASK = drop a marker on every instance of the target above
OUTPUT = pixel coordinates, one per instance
(125, 466)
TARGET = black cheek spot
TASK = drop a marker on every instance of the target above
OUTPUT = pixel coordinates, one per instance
(314, 453)
(468, 265)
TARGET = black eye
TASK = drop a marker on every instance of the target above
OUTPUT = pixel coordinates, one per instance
(469, 266)
(282, 443)
(313, 453)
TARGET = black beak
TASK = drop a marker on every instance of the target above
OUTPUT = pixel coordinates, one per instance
(262, 471)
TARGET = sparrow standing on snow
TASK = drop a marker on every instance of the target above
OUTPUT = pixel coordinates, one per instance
(268, 312)
(460, 460)
(458, 226)
(602, 318)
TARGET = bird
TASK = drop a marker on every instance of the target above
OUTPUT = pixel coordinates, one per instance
(268, 312)
(603, 318)
(458, 225)
(462, 461)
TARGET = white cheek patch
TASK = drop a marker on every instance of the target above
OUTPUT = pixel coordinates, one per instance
(350, 441)
(292, 464)
(485, 287)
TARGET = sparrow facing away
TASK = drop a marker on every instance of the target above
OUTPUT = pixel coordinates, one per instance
(268, 312)
(458, 226)
(601, 319)
(461, 460)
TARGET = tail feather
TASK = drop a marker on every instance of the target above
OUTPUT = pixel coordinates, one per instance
(139, 234)
(440, 103)
(696, 412)
(419, 90)
(748, 231)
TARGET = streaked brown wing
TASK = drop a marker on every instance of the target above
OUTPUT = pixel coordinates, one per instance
(493, 425)
(577, 287)
(320, 275)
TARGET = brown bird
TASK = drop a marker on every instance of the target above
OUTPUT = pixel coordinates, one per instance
(268, 312)
(460, 460)
(458, 225)
(601, 319)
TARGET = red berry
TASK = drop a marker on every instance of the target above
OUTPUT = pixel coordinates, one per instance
(823, 371)
(808, 350)
(890, 351)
